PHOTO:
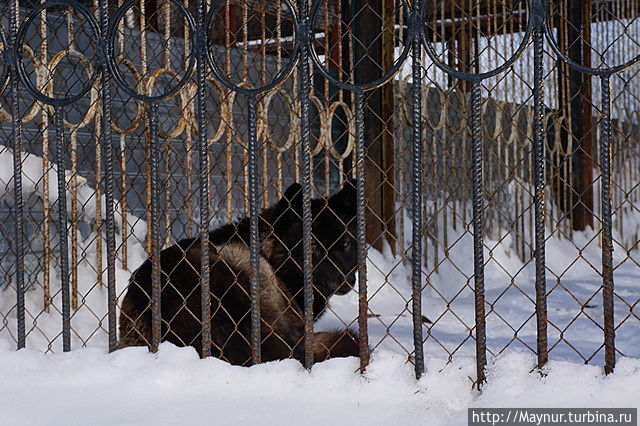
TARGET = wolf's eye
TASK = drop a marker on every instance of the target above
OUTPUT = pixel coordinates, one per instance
(346, 244)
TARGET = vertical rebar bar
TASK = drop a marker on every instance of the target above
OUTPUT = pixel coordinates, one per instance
(154, 161)
(478, 228)
(73, 210)
(539, 195)
(360, 237)
(18, 207)
(46, 214)
(305, 133)
(46, 208)
(253, 230)
(416, 188)
(109, 179)
(100, 187)
(607, 238)
(62, 229)
(123, 204)
(203, 154)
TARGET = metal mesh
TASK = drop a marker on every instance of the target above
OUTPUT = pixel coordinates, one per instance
(210, 111)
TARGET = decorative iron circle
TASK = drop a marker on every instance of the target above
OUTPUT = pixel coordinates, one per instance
(222, 113)
(137, 119)
(386, 77)
(488, 133)
(351, 131)
(293, 121)
(602, 72)
(4, 54)
(323, 128)
(241, 87)
(475, 77)
(115, 70)
(20, 40)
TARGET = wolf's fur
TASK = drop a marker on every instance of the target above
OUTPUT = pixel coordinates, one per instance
(281, 284)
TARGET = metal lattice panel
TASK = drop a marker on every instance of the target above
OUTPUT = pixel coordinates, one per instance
(493, 146)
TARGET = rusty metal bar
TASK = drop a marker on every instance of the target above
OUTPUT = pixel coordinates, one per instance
(203, 155)
(154, 160)
(305, 133)
(416, 188)
(254, 243)
(62, 229)
(16, 138)
(607, 238)
(363, 302)
(123, 204)
(477, 158)
(46, 207)
(109, 179)
(539, 195)
(98, 198)
(73, 192)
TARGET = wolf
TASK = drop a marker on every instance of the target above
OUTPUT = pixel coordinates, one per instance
(334, 258)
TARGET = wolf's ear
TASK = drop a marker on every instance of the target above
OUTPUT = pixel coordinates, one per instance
(344, 201)
(291, 202)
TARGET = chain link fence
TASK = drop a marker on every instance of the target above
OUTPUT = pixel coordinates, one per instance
(478, 137)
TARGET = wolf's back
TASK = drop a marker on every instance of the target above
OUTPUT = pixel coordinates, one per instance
(181, 307)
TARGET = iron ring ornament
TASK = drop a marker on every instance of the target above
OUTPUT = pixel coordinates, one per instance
(4, 57)
(21, 38)
(244, 88)
(354, 86)
(115, 69)
(536, 8)
(476, 77)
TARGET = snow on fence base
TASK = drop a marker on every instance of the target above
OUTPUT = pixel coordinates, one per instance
(174, 386)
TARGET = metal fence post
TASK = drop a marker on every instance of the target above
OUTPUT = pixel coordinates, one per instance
(539, 181)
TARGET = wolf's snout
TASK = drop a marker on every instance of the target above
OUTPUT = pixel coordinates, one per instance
(351, 278)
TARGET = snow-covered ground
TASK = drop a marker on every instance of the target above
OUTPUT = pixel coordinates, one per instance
(574, 302)
(89, 386)
(132, 387)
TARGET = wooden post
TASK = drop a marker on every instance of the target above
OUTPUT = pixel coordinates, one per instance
(575, 100)
(374, 55)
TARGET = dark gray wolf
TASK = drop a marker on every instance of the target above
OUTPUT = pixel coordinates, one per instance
(281, 283)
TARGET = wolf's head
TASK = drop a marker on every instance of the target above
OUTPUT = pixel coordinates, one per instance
(333, 244)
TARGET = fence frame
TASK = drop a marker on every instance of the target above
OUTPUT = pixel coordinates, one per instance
(304, 18)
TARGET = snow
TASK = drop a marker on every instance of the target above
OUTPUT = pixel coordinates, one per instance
(33, 182)
(89, 320)
(174, 386)
(613, 43)
(575, 333)
(32, 175)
